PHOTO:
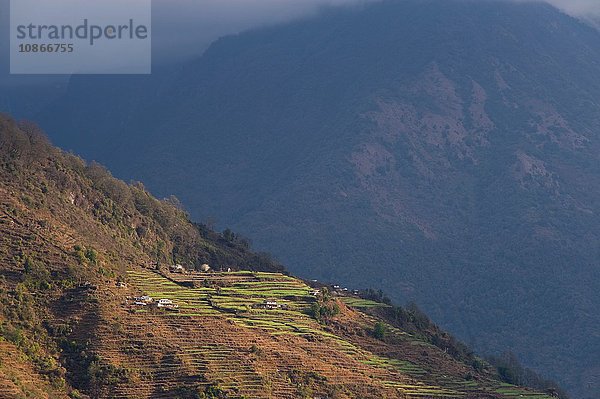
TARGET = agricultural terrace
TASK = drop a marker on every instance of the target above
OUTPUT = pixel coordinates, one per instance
(360, 303)
(225, 334)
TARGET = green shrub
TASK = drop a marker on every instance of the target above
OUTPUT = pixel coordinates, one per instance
(92, 256)
(379, 331)
(105, 374)
(324, 309)
(37, 276)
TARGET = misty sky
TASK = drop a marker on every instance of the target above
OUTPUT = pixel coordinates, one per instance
(186, 27)
(578, 7)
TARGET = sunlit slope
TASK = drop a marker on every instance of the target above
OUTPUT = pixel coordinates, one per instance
(221, 336)
(78, 251)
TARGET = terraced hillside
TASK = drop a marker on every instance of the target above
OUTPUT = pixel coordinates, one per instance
(227, 339)
(84, 261)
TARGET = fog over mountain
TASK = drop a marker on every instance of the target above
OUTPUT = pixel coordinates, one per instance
(577, 7)
(185, 28)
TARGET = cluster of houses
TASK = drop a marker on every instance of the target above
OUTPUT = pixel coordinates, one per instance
(271, 305)
(338, 289)
(146, 300)
(177, 268)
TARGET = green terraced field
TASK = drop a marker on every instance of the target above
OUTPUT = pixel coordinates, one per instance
(404, 366)
(362, 303)
(511, 391)
(243, 291)
(235, 297)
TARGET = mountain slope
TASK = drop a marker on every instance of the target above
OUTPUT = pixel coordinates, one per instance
(445, 151)
(77, 246)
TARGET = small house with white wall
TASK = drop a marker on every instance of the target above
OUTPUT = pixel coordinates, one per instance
(205, 268)
(146, 299)
(166, 304)
(177, 269)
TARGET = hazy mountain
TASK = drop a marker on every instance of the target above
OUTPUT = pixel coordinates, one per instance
(445, 151)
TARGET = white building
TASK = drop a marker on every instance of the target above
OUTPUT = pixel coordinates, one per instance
(146, 299)
(177, 269)
(204, 268)
(167, 304)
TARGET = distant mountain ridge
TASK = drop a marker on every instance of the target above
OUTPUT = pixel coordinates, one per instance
(446, 151)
